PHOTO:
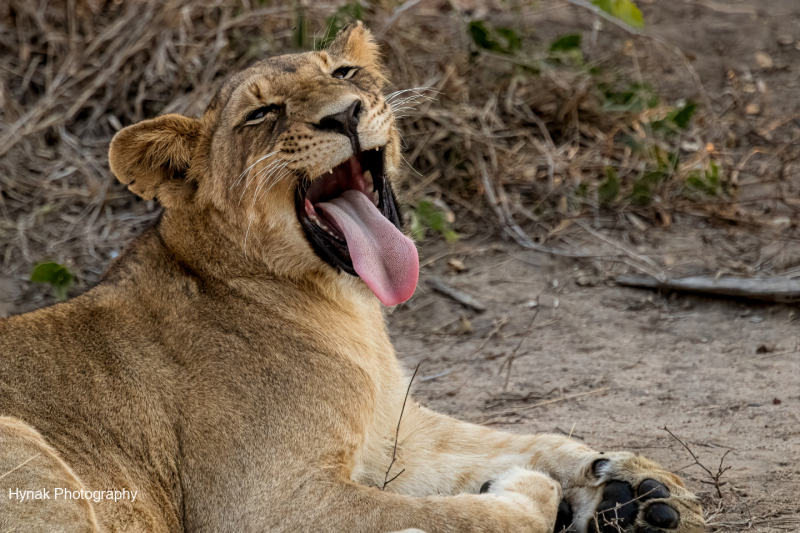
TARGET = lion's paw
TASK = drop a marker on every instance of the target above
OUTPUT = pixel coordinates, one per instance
(625, 493)
(536, 491)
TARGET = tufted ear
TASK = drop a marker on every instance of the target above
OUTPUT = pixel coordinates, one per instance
(152, 158)
(356, 43)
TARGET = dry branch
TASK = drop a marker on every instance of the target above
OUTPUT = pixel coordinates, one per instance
(720, 471)
(779, 289)
(386, 479)
(23, 463)
(461, 297)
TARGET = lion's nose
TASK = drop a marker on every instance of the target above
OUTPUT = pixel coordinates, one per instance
(344, 122)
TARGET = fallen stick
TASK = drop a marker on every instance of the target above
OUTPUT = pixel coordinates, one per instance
(461, 297)
(546, 402)
(653, 269)
(783, 290)
(568, 397)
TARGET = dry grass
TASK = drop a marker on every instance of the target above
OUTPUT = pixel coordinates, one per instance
(532, 147)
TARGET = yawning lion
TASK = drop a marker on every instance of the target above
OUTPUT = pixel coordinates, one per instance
(233, 369)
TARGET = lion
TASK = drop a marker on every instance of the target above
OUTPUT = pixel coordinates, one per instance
(232, 372)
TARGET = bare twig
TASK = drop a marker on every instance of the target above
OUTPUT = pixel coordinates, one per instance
(510, 359)
(539, 404)
(774, 354)
(568, 397)
(720, 471)
(398, 12)
(652, 268)
(496, 329)
(778, 289)
(386, 479)
(26, 461)
(461, 297)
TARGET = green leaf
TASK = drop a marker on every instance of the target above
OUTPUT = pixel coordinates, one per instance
(706, 181)
(494, 39)
(513, 42)
(480, 35)
(608, 190)
(635, 99)
(684, 115)
(565, 43)
(625, 10)
(428, 216)
(567, 50)
(643, 189)
(56, 275)
(418, 229)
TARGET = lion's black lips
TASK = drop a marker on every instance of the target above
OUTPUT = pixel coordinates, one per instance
(323, 235)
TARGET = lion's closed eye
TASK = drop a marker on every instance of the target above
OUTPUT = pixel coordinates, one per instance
(257, 116)
(344, 73)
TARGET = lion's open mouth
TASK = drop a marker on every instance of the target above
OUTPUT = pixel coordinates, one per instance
(350, 217)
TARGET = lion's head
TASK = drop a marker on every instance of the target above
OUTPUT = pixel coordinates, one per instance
(293, 160)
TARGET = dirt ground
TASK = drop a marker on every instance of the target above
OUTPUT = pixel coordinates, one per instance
(618, 365)
(613, 365)
(561, 348)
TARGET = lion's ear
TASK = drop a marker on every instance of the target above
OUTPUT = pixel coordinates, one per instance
(152, 158)
(356, 43)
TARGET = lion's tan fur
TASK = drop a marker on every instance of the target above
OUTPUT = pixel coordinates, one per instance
(235, 380)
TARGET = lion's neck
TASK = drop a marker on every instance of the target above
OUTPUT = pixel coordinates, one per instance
(196, 243)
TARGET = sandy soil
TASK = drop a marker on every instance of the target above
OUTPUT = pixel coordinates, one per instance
(618, 365)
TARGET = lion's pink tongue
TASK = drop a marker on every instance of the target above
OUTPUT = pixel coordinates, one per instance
(385, 259)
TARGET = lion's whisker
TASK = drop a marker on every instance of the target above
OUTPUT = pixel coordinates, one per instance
(262, 182)
(416, 97)
(256, 178)
(283, 174)
(246, 233)
(261, 173)
(412, 97)
(248, 169)
(395, 94)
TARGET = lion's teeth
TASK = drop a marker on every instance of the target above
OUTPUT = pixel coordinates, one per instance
(320, 223)
(375, 198)
(368, 179)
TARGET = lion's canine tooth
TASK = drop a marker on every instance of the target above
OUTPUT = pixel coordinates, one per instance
(368, 178)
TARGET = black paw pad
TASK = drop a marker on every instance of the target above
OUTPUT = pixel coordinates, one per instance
(662, 515)
(650, 489)
(564, 517)
(485, 487)
(618, 509)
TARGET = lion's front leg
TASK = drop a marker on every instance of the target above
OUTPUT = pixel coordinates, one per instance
(607, 492)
